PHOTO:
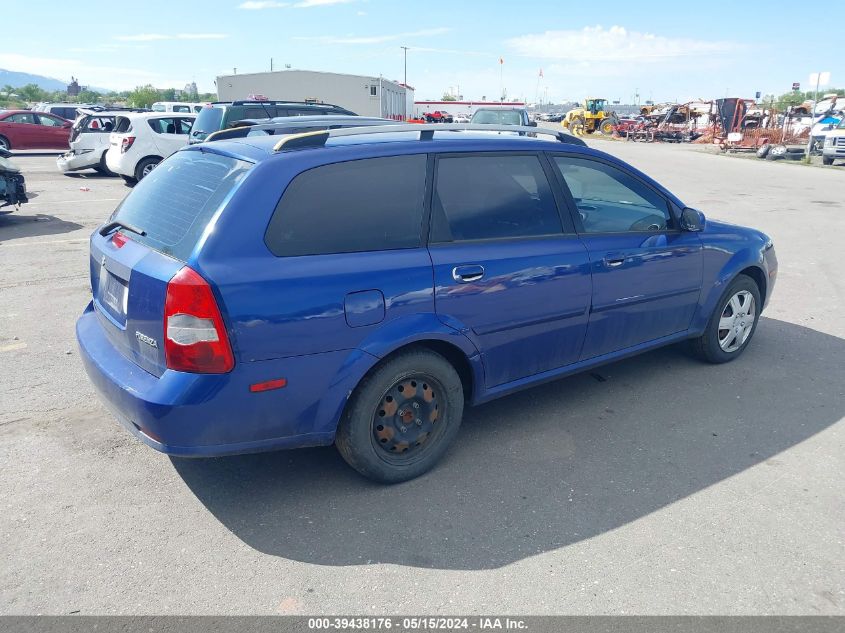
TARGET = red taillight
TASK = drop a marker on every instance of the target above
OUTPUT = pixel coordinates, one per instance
(195, 338)
(118, 239)
(126, 143)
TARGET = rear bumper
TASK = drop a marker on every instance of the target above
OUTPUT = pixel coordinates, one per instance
(71, 161)
(194, 415)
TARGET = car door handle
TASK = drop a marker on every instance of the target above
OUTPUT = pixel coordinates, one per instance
(467, 274)
(614, 260)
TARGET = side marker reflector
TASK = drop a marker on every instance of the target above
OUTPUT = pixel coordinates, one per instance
(269, 385)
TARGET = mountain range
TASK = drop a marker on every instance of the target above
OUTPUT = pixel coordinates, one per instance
(18, 79)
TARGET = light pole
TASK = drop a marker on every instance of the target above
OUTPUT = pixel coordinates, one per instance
(820, 79)
(405, 48)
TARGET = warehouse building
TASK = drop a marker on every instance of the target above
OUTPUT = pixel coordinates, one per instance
(367, 96)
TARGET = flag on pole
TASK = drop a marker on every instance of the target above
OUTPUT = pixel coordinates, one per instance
(541, 72)
(501, 61)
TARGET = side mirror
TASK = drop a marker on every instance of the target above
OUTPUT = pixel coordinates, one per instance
(692, 220)
(67, 124)
(532, 123)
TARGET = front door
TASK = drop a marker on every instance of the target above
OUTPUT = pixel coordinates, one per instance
(52, 132)
(507, 271)
(646, 272)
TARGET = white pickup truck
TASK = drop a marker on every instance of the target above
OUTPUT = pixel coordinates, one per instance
(834, 144)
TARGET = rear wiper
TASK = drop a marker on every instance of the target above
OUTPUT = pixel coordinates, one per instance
(117, 224)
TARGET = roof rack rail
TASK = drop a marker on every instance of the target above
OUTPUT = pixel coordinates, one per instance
(426, 131)
(247, 127)
(274, 102)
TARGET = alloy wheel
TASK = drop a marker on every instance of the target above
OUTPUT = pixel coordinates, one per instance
(737, 321)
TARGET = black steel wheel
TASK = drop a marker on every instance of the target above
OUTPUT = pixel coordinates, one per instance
(402, 417)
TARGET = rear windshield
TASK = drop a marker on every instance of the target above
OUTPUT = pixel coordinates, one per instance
(175, 203)
(499, 117)
(208, 120)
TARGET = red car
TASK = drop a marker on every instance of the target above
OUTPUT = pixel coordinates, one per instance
(22, 129)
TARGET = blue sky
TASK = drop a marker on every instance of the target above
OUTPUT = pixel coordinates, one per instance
(666, 51)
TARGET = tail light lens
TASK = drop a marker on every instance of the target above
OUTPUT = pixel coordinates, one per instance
(126, 143)
(195, 337)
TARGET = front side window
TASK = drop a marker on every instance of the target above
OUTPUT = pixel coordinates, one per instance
(373, 204)
(183, 125)
(610, 201)
(490, 197)
(49, 121)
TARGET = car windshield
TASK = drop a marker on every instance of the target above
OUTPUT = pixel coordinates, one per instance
(207, 121)
(497, 117)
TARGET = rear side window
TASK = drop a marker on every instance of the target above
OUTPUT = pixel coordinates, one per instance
(492, 197)
(364, 205)
(175, 203)
(122, 124)
(163, 126)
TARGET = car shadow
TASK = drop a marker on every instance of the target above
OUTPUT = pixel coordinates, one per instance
(544, 468)
(88, 174)
(14, 226)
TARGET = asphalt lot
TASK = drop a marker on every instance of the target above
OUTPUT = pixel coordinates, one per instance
(657, 485)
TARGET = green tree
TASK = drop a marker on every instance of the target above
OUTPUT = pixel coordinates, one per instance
(89, 96)
(143, 96)
(448, 97)
(168, 94)
(31, 92)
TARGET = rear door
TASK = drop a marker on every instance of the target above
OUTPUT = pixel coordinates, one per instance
(170, 133)
(129, 272)
(508, 267)
(646, 273)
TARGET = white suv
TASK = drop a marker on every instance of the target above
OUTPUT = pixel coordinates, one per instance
(141, 141)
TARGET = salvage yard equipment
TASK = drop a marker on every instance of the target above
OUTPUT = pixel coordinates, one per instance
(593, 116)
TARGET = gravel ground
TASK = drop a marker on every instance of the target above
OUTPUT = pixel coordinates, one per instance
(658, 485)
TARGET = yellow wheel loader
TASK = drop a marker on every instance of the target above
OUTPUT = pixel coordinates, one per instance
(593, 116)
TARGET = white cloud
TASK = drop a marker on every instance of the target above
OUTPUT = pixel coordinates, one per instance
(155, 37)
(257, 5)
(306, 4)
(595, 44)
(375, 39)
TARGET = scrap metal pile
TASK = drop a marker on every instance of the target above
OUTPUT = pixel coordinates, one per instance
(732, 123)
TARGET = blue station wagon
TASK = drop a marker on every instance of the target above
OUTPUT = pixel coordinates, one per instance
(361, 286)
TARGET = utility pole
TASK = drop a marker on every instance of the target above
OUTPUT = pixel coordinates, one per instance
(271, 64)
(821, 79)
(405, 48)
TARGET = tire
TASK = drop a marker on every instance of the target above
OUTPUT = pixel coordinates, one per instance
(763, 151)
(144, 167)
(102, 169)
(578, 126)
(827, 160)
(776, 152)
(378, 434)
(606, 127)
(5, 144)
(716, 347)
